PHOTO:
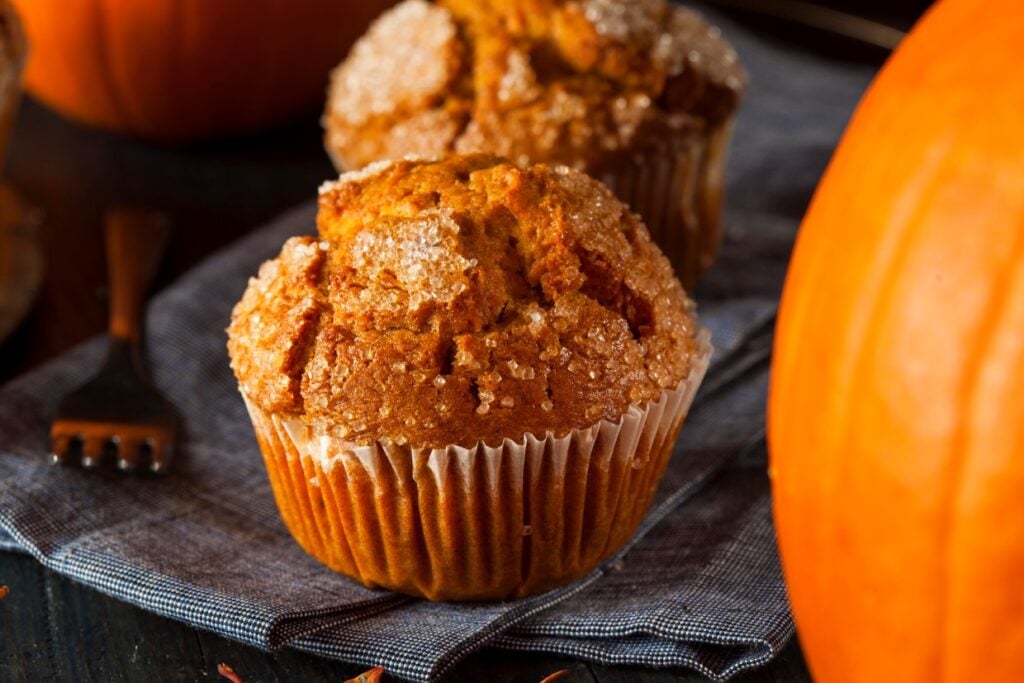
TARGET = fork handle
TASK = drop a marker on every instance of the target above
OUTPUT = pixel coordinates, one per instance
(135, 241)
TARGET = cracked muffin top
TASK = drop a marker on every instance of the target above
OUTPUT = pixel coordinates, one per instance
(462, 300)
(581, 82)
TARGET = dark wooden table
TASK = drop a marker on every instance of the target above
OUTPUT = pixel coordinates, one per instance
(54, 629)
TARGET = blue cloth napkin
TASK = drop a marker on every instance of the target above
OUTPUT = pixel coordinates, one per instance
(699, 585)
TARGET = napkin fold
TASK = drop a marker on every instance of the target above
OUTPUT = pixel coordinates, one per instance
(206, 546)
(698, 586)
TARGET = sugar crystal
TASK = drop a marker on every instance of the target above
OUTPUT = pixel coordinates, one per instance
(405, 58)
(421, 253)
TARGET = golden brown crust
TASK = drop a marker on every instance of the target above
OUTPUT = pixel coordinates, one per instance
(274, 325)
(463, 300)
(581, 82)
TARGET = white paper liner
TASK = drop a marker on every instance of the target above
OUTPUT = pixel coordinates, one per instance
(484, 522)
(678, 192)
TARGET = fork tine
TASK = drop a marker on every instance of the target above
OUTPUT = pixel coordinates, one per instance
(92, 451)
(118, 408)
(128, 453)
(60, 446)
(161, 452)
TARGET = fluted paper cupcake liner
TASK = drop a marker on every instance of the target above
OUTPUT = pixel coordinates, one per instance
(678, 192)
(477, 523)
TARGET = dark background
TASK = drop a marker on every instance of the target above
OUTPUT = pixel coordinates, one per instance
(214, 193)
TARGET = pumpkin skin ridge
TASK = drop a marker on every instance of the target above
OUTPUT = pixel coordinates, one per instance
(960, 453)
(1003, 298)
(958, 581)
(895, 248)
(1011, 346)
(857, 381)
(924, 187)
(859, 376)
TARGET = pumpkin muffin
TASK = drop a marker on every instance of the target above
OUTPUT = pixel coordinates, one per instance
(12, 60)
(639, 94)
(468, 385)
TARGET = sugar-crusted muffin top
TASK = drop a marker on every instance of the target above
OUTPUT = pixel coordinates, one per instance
(570, 81)
(462, 300)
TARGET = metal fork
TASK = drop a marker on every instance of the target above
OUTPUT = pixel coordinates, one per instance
(119, 412)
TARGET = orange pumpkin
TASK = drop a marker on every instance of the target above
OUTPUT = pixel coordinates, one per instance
(896, 410)
(180, 69)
